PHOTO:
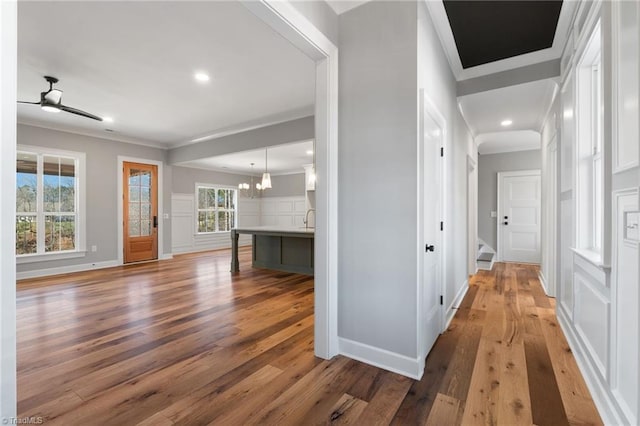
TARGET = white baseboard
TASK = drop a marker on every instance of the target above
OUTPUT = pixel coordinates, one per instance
(543, 282)
(603, 397)
(166, 256)
(451, 310)
(36, 273)
(382, 358)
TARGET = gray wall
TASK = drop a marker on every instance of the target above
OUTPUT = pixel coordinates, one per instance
(102, 170)
(185, 179)
(488, 168)
(286, 186)
(276, 134)
(377, 169)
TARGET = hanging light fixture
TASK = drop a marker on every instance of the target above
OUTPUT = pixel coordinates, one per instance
(312, 175)
(244, 187)
(266, 177)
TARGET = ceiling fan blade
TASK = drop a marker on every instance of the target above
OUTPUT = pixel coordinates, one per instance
(31, 103)
(54, 96)
(79, 112)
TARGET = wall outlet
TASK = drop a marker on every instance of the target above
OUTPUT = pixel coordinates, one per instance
(494, 214)
(94, 248)
(165, 216)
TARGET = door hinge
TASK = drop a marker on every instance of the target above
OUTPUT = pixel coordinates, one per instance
(442, 226)
(441, 151)
(441, 300)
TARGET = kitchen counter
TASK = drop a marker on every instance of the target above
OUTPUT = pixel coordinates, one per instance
(284, 248)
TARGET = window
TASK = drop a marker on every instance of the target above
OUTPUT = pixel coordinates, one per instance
(216, 209)
(48, 202)
(589, 146)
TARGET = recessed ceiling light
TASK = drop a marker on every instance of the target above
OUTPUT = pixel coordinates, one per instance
(506, 123)
(107, 119)
(202, 77)
(309, 152)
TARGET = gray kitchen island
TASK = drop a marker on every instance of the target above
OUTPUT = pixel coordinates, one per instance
(288, 249)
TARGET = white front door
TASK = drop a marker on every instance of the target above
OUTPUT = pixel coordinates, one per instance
(430, 315)
(519, 216)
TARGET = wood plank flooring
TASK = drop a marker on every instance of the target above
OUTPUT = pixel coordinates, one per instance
(185, 342)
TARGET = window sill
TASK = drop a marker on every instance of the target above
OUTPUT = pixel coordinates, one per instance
(211, 233)
(32, 258)
(591, 256)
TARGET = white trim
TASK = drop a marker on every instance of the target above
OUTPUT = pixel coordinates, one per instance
(66, 269)
(501, 176)
(382, 358)
(120, 216)
(292, 25)
(46, 257)
(543, 282)
(8, 85)
(453, 308)
(427, 106)
(602, 397)
(80, 160)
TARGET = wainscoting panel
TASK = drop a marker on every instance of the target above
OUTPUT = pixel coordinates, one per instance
(566, 257)
(592, 318)
(625, 280)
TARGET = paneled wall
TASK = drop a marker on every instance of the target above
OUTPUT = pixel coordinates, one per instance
(274, 211)
(598, 297)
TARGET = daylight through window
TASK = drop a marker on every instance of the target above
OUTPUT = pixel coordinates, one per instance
(217, 209)
(46, 203)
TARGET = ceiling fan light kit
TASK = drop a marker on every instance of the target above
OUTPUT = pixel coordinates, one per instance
(51, 101)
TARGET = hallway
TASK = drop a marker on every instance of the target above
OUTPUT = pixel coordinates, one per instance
(503, 360)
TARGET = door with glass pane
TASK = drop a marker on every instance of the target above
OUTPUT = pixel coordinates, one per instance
(140, 212)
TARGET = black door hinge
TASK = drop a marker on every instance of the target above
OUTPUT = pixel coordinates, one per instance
(441, 300)
(442, 226)
(441, 151)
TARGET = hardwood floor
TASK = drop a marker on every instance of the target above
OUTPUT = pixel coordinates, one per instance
(185, 342)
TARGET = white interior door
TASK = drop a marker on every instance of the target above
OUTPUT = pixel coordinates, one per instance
(432, 247)
(519, 216)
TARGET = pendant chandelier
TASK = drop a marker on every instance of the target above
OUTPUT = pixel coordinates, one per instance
(266, 177)
(245, 187)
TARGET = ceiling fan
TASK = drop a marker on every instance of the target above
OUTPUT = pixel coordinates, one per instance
(51, 101)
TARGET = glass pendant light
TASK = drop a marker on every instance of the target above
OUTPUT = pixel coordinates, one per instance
(266, 177)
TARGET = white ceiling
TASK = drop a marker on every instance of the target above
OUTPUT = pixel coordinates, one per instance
(525, 105)
(135, 61)
(282, 159)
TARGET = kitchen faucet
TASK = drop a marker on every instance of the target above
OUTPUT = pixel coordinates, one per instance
(306, 218)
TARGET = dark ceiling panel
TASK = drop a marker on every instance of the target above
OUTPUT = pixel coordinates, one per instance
(487, 31)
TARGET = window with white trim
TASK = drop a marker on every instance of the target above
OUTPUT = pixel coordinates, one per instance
(48, 202)
(216, 209)
(589, 145)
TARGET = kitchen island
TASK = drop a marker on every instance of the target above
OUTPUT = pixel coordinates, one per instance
(288, 249)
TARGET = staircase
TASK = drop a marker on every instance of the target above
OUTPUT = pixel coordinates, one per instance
(485, 257)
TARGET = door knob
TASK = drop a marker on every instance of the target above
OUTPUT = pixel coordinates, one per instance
(429, 248)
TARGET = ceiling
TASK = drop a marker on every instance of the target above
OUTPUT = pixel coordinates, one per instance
(282, 159)
(342, 6)
(488, 31)
(135, 62)
(525, 105)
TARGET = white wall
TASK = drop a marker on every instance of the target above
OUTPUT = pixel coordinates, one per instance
(599, 299)
(8, 61)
